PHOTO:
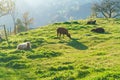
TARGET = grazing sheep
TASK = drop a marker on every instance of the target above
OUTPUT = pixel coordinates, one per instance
(98, 30)
(63, 31)
(91, 22)
(24, 46)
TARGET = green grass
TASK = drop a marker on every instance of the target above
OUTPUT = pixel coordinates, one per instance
(87, 56)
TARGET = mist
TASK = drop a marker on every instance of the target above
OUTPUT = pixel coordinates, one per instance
(50, 11)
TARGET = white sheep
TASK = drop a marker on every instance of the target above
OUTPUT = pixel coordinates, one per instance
(24, 46)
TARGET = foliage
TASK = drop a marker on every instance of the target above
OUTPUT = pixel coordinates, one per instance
(19, 26)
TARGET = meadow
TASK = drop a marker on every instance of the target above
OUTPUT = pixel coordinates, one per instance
(87, 56)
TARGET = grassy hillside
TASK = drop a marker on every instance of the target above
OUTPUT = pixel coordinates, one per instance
(88, 56)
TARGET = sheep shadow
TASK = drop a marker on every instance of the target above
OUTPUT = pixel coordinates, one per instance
(77, 45)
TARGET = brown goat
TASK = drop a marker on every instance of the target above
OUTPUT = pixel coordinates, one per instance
(63, 31)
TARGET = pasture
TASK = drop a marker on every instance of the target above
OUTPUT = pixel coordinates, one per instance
(87, 56)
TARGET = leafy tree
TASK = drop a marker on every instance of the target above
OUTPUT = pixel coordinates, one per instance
(19, 26)
(107, 8)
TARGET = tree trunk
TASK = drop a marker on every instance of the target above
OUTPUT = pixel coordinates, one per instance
(104, 14)
(14, 29)
(14, 23)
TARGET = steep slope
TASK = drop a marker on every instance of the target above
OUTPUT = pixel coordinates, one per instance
(88, 56)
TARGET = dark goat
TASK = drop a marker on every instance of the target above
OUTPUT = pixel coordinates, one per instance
(98, 30)
(91, 22)
(63, 31)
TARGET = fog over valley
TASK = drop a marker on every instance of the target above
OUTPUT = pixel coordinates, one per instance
(50, 11)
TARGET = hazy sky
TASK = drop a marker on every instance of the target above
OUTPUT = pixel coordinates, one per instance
(41, 2)
(39, 8)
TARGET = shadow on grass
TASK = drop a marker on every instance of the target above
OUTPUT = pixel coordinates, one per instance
(103, 32)
(77, 45)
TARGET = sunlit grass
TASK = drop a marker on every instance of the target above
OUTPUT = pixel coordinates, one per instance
(87, 56)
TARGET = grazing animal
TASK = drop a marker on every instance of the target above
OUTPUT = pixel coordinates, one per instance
(91, 22)
(24, 46)
(98, 30)
(63, 31)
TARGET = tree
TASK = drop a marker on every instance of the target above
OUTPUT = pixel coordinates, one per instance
(7, 7)
(3, 8)
(12, 12)
(19, 26)
(26, 20)
(107, 8)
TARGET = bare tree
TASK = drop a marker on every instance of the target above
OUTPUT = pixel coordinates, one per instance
(3, 10)
(27, 20)
(107, 8)
(7, 7)
(12, 12)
